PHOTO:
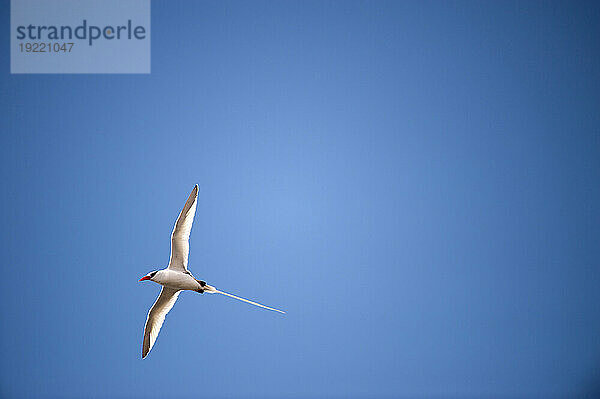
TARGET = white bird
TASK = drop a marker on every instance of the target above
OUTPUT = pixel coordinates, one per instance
(176, 277)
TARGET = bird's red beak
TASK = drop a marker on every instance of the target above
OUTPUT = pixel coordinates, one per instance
(145, 278)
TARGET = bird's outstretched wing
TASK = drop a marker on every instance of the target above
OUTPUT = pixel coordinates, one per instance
(180, 246)
(156, 317)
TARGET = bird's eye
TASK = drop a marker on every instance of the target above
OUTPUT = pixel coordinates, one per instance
(152, 274)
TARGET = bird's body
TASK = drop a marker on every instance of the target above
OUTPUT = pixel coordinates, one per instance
(176, 277)
(177, 280)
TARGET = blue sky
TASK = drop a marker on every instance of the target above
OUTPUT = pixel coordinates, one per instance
(416, 183)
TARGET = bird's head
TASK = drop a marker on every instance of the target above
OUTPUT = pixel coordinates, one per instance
(149, 276)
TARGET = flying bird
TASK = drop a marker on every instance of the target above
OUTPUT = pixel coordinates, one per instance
(176, 277)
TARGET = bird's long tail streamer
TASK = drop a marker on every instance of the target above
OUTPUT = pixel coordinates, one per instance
(248, 301)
